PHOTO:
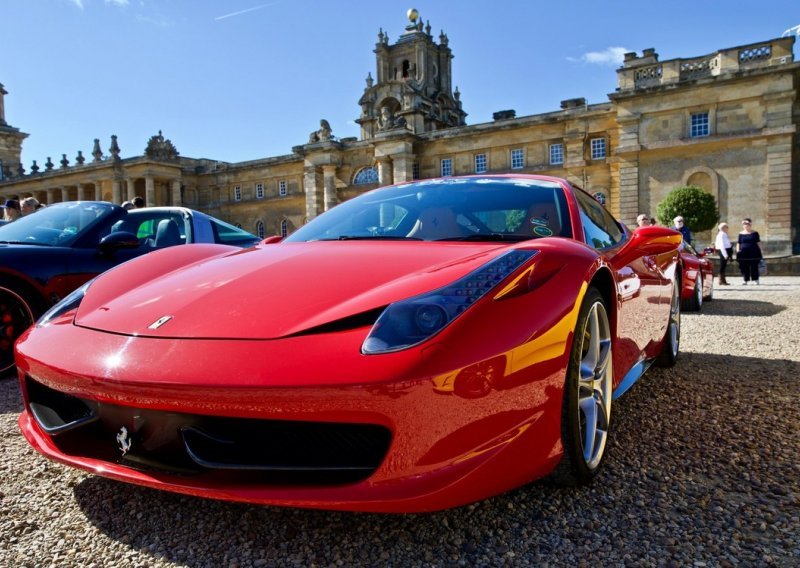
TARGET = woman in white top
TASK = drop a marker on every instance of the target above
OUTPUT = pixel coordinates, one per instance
(725, 250)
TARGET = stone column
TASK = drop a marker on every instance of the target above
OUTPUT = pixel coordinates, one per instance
(116, 191)
(176, 193)
(51, 196)
(403, 167)
(64, 193)
(311, 186)
(131, 185)
(779, 198)
(98, 190)
(628, 197)
(385, 171)
(150, 191)
(329, 184)
(81, 192)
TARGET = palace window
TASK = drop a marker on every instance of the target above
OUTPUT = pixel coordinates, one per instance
(480, 163)
(447, 167)
(598, 148)
(259, 191)
(415, 170)
(260, 229)
(237, 193)
(517, 159)
(282, 188)
(556, 154)
(284, 228)
(365, 176)
(699, 125)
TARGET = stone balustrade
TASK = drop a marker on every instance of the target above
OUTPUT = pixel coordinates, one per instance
(646, 71)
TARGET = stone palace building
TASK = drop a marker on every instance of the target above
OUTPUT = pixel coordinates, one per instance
(725, 121)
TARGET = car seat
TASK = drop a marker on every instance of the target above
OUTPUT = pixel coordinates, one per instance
(437, 223)
(167, 233)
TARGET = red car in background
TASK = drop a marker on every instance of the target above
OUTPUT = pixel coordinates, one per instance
(697, 283)
(417, 347)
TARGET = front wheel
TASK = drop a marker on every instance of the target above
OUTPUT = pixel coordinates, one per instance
(670, 346)
(586, 406)
(15, 317)
(695, 302)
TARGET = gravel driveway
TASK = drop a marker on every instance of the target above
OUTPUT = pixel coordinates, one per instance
(703, 470)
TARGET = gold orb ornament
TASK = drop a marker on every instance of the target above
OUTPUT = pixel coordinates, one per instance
(412, 14)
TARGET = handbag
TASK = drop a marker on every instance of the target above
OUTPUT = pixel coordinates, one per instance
(762, 267)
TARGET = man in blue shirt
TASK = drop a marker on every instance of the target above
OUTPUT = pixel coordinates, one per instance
(682, 228)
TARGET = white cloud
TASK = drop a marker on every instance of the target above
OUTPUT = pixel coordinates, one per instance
(78, 3)
(609, 56)
(117, 2)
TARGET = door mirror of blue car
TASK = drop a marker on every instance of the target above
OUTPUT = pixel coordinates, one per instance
(117, 241)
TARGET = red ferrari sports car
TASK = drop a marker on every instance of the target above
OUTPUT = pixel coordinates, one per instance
(418, 347)
(697, 282)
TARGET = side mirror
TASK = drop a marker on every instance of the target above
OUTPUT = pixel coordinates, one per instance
(118, 241)
(649, 241)
(272, 240)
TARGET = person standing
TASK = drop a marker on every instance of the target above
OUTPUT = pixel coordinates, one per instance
(28, 205)
(12, 212)
(643, 220)
(725, 250)
(680, 226)
(748, 251)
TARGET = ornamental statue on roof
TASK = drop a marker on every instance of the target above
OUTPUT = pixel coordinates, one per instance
(413, 89)
(161, 149)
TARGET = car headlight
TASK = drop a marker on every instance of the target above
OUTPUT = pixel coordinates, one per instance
(69, 303)
(414, 320)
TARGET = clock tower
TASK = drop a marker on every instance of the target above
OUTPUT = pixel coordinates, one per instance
(412, 89)
(10, 143)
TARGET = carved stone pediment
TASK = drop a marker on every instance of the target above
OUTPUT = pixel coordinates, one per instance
(161, 149)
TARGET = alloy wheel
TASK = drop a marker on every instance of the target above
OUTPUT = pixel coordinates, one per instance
(15, 317)
(595, 385)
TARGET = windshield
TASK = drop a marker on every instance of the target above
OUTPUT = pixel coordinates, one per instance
(60, 224)
(457, 209)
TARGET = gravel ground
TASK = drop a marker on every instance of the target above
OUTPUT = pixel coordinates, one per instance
(702, 471)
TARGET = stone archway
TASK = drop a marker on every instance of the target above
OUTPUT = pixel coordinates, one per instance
(706, 178)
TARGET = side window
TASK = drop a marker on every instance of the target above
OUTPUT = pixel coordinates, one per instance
(156, 230)
(599, 228)
(226, 234)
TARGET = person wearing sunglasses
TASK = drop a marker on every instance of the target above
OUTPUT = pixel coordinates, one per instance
(748, 252)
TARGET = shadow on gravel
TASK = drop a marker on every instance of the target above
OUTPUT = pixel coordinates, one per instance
(10, 395)
(741, 308)
(701, 465)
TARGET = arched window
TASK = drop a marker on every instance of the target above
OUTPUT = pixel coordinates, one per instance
(260, 229)
(365, 176)
(284, 228)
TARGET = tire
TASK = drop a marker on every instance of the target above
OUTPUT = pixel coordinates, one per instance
(695, 302)
(16, 315)
(670, 347)
(710, 297)
(586, 405)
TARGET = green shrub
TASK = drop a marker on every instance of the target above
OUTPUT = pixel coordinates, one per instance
(697, 207)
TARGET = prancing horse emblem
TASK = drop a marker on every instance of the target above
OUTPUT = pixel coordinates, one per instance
(159, 322)
(124, 441)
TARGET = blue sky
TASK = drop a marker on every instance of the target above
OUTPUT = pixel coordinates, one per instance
(245, 79)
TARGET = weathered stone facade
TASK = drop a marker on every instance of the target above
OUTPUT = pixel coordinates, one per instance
(725, 121)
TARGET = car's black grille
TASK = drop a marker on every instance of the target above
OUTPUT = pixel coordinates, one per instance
(241, 450)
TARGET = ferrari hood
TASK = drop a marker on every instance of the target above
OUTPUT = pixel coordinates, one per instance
(273, 291)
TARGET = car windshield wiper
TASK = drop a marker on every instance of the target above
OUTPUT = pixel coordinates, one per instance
(371, 238)
(24, 243)
(488, 237)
